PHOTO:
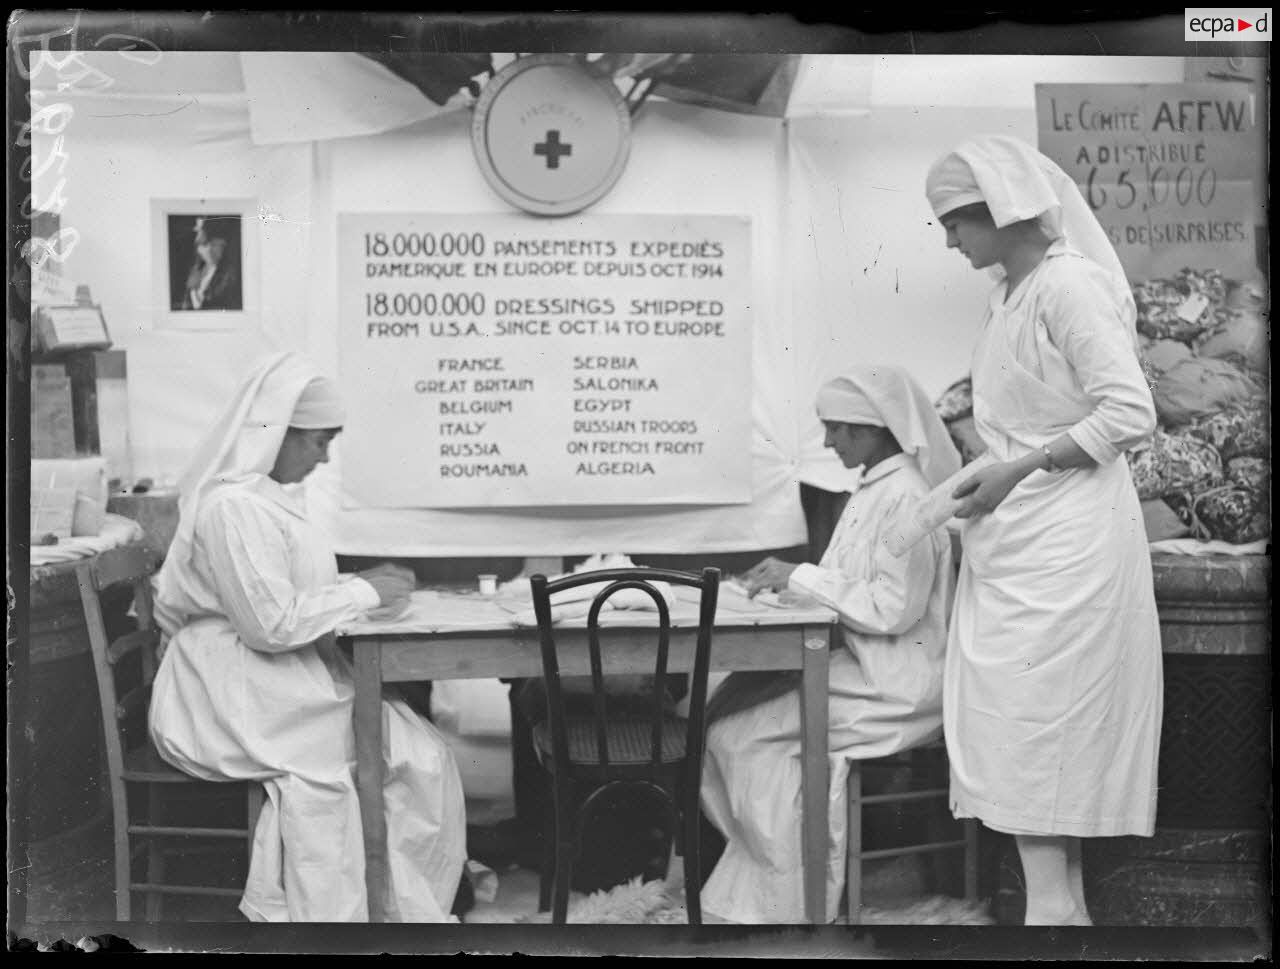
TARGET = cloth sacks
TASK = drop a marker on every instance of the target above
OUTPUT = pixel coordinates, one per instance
(956, 401)
(1238, 511)
(1053, 695)
(1161, 522)
(966, 439)
(1243, 430)
(1174, 463)
(1199, 387)
(1252, 473)
(1234, 514)
(1242, 338)
(1182, 308)
(1161, 356)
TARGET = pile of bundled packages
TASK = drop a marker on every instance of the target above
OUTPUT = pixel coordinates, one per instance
(1206, 471)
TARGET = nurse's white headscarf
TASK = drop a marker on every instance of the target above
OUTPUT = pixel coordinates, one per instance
(284, 391)
(1018, 183)
(886, 396)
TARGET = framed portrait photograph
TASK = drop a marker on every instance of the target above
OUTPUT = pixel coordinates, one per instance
(205, 262)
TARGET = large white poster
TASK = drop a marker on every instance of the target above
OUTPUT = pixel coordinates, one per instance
(504, 360)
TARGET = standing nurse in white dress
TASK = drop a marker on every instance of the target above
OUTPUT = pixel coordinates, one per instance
(886, 663)
(1053, 693)
(252, 685)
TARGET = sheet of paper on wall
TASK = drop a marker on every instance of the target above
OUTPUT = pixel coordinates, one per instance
(1175, 173)
(545, 362)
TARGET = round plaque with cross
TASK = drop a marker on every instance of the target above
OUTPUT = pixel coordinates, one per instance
(551, 136)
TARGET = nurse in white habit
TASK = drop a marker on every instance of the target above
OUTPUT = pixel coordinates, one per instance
(253, 687)
(886, 666)
(1053, 692)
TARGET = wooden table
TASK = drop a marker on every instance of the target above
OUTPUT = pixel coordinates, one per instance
(447, 636)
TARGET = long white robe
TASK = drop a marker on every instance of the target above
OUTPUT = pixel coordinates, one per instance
(885, 696)
(253, 687)
(1053, 693)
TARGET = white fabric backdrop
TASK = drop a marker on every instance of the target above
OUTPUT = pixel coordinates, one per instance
(318, 96)
(846, 265)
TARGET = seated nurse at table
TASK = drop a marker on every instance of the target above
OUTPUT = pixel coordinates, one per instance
(252, 686)
(886, 659)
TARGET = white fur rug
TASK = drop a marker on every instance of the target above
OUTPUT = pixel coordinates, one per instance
(659, 903)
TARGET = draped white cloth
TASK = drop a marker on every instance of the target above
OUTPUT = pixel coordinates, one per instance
(252, 687)
(885, 696)
(299, 96)
(1053, 694)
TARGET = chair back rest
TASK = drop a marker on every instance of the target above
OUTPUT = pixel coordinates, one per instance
(615, 581)
(125, 664)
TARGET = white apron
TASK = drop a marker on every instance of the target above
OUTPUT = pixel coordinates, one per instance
(222, 711)
(1053, 690)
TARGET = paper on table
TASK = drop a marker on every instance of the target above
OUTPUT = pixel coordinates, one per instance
(570, 610)
(116, 531)
(388, 613)
(516, 596)
(429, 610)
(571, 605)
(733, 597)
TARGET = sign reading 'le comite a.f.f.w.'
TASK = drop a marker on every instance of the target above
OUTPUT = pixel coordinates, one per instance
(504, 360)
(1170, 170)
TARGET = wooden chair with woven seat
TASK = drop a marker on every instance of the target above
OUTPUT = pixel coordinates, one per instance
(930, 762)
(590, 756)
(126, 666)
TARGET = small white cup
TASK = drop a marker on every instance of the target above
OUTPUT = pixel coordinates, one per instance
(488, 584)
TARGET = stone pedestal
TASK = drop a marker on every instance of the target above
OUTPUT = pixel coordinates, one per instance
(1208, 861)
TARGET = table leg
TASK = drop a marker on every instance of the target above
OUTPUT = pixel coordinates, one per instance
(815, 824)
(367, 719)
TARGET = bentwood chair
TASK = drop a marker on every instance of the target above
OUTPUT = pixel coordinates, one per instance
(658, 755)
(146, 792)
(925, 765)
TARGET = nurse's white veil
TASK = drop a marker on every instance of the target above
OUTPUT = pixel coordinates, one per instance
(242, 445)
(887, 396)
(1018, 183)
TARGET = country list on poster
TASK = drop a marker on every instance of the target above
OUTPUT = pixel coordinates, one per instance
(506, 360)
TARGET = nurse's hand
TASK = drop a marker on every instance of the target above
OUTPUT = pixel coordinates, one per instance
(391, 583)
(983, 492)
(772, 574)
(391, 569)
(385, 613)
